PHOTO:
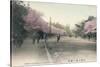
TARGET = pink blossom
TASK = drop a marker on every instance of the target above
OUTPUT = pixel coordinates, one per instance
(34, 21)
(90, 26)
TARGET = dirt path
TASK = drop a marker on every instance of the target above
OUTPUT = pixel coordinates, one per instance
(68, 50)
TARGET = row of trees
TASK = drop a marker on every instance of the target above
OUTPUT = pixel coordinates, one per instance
(79, 30)
(17, 11)
(24, 20)
(83, 29)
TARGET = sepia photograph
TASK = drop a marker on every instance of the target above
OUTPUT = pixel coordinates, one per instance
(44, 33)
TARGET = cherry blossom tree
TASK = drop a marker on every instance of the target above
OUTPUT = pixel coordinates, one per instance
(34, 21)
(87, 28)
(90, 26)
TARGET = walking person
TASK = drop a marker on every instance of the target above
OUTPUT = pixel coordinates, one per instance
(58, 37)
(45, 37)
(35, 36)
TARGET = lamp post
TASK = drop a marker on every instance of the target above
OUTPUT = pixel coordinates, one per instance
(50, 26)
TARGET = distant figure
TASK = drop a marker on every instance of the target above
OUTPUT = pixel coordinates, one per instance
(35, 36)
(58, 37)
(17, 40)
(45, 37)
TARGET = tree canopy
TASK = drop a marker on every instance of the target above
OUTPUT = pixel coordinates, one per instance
(17, 11)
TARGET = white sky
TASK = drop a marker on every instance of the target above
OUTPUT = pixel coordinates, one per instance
(69, 14)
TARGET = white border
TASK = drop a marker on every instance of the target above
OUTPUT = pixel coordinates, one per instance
(5, 31)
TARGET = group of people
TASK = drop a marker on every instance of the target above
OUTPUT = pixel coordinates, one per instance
(37, 35)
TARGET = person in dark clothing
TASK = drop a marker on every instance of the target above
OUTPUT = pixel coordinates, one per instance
(45, 37)
(58, 37)
(35, 36)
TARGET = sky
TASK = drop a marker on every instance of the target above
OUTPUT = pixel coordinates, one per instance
(65, 14)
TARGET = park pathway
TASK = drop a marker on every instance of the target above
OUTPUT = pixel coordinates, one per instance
(68, 50)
